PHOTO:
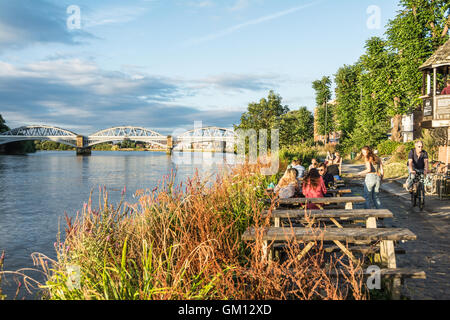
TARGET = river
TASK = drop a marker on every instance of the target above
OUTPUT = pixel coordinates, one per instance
(37, 189)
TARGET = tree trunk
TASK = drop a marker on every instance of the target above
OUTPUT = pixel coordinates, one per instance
(396, 129)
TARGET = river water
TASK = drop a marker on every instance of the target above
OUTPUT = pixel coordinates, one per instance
(37, 189)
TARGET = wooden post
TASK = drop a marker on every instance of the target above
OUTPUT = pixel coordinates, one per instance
(434, 91)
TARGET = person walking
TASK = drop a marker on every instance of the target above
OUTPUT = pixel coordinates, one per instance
(374, 174)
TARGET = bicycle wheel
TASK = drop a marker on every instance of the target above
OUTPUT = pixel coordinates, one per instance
(413, 198)
(421, 196)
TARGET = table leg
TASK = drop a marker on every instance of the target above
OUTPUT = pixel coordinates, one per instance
(305, 250)
(371, 223)
(349, 206)
(345, 250)
(387, 253)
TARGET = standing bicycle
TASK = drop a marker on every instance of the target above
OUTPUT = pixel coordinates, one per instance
(418, 170)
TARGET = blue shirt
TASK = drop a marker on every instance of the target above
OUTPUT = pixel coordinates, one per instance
(301, 171)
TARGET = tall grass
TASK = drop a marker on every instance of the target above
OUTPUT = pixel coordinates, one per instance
(184, 242)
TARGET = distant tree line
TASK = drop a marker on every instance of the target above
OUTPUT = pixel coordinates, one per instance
(20, 147)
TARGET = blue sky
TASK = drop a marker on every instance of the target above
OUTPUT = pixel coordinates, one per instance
(164, 64)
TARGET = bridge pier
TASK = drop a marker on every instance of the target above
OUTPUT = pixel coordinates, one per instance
(169, 149)
(82, 150)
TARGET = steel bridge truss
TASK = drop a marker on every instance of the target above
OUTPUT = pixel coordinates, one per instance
(211, 138)
(128, 133)
(39, 133)
(202, 138)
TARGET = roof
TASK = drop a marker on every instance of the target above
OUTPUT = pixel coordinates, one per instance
(439, 58)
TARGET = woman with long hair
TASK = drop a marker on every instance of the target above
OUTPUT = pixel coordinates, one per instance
(374, 174)
(313, 187)
(288, 186)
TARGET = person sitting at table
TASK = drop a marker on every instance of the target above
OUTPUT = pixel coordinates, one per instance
(333, 169)
(288, 185)
(330, 157)
(313, 187)
(314, 164)
(327, 177)
(297, 164)
(338, 160)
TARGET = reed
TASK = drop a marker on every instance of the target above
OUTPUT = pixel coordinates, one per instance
(183, 242)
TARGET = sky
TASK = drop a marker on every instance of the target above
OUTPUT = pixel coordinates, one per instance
(88, 65)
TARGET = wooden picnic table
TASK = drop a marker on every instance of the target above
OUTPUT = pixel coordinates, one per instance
(385, 236)
(370, 215)
(333, 192)
(348, 201)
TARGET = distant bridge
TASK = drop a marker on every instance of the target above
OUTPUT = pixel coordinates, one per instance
(206, 138)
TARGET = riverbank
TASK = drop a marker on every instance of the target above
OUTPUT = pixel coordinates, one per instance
(182, 241)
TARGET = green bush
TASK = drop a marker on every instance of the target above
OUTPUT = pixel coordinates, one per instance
(388, 147)
(302, 152)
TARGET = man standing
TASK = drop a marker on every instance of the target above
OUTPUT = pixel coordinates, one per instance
(417, 163)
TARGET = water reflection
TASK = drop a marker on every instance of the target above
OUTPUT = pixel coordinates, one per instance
(37, 189)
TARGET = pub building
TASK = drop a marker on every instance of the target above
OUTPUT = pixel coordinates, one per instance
(436, 100)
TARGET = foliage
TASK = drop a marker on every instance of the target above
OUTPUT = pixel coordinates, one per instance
(394, 170)
(52, 145)
(348, 97)
(184, 242)
(429, 144)
(263, 115)
(325, 111)
(103, 147)
(296, 127)
(386, 81)
(302, 152)
(3, 126)
(387, 147)
(419, 28)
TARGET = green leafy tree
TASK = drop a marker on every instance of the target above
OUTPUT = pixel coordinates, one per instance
(296, 127)
(325, 112)
(420, 27)
(264, 114)
(3, 126)
(348, 97)
(378, 69)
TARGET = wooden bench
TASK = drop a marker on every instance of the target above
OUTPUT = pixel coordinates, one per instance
(348, 201)
(386, 237)
(370, 216)
(333, 192)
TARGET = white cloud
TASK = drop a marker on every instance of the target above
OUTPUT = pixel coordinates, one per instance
(238, 27)
(240, 5)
